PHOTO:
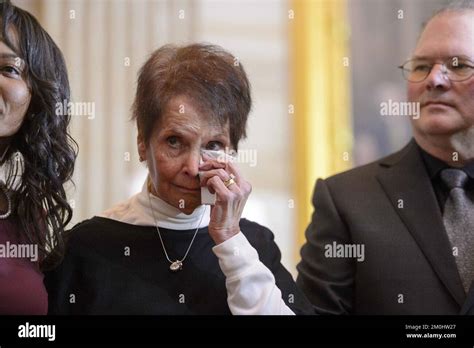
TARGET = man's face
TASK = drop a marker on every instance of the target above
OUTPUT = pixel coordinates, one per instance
(446, 107)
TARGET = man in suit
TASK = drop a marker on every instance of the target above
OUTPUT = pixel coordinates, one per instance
(397, 236)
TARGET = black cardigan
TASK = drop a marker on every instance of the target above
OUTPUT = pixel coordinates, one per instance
(112, 267)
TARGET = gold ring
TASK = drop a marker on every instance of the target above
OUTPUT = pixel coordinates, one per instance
(229, 182)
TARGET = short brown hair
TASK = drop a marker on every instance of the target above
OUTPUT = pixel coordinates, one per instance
(209, 75)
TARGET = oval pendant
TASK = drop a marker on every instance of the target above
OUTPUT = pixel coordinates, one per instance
(176, 266)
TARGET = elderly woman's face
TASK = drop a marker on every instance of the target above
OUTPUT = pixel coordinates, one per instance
(14, 93)
(173, 153)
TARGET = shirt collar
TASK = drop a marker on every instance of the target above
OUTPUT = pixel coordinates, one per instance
(434, 165)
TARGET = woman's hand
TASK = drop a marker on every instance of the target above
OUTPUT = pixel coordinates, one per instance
(232, 191)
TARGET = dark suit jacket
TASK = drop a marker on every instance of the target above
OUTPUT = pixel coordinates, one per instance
(390, 208)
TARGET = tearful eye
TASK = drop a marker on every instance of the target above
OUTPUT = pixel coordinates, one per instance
(214, 145)
(173, 141)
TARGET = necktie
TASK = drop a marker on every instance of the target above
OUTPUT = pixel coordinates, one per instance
(458, 220)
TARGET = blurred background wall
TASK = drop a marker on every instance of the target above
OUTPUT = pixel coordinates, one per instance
(312, 63)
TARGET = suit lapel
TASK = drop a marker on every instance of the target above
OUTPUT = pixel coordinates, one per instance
(468, 307)
(405, 177)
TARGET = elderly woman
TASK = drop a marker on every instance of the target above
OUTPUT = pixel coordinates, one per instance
(162, 251)
(36, 158)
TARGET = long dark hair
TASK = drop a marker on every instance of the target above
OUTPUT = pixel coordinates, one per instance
(41, 154)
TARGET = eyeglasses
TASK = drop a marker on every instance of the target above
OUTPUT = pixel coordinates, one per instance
(457, 69)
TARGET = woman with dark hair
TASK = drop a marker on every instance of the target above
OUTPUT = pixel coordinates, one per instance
(165, 250)
(36, 156)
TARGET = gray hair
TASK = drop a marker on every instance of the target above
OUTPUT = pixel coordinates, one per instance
(452, 6)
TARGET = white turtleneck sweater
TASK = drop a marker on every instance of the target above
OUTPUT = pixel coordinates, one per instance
(251, 288)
